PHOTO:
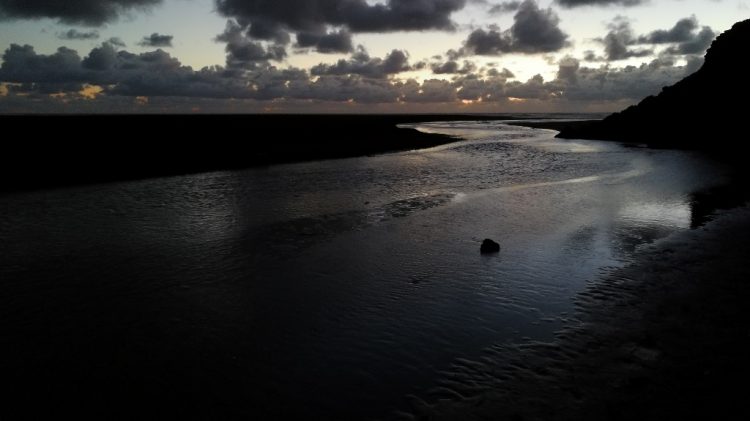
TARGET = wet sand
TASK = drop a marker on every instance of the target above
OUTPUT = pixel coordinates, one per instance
(667, 337)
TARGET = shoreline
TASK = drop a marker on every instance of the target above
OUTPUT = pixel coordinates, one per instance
(663, 338)
(170, 145)
(559, 126)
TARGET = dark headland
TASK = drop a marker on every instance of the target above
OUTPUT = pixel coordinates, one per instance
(703, 111)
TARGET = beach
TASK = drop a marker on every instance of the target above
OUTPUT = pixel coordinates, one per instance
(355, 288)
(665, 337)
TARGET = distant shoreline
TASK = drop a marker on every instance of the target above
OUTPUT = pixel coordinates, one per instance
(552, 125)
(168, 145)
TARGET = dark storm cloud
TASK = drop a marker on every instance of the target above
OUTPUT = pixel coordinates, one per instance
(431, 90)
(74, 34)
(505, 73)
(684, 36)
(505, 7)
(452, 67)
(534, 30)
(362, 64)
(156, 40)
(537, 30)
(153, 73)
(243, 52)
(680, 32)
(578, 3)
(326, 42)
(628, 83)
(696, 45)
(117, 42)
(567, 70)
(91, 12)
(619, 38)
(21, 64)
(356, 15)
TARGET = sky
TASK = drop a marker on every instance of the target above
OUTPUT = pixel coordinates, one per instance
(349, 56)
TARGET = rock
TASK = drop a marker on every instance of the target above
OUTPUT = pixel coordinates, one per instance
(489, 246)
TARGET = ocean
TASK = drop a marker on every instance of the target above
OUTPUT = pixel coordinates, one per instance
(332, 289)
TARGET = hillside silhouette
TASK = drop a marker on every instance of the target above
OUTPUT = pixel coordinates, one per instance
(702, 111)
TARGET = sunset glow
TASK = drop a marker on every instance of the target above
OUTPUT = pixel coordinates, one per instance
(565, 55)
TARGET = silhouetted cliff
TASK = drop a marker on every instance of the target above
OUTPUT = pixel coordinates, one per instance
(702, 111)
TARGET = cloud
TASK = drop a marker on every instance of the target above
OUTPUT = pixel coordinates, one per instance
(21, 64)
(504, 7)
(685, 34)
(452, 67)
(243, 52)
(567, 70)
(534, 30)
(695, 45)
(629, 83)
(270, 19)
(362, 64)
(505, 73)
(90, 12)
(117, 42)
(684, 37)
(156, 40)
(431, 90)
(74, 34)
(578, 3)
(326, 42)
(115, 74)
(617, 40)
(153, 73)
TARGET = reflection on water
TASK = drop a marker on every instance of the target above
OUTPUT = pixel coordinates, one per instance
(676, 214)
(328, 289)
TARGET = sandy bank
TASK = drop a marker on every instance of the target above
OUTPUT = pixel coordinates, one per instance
(664, 338)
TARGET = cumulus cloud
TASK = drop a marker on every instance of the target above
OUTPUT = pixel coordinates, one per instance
(115, 73)
(452, 67)
(696, 45)
(156, 40)
(121, 72)
(117, 42)
(243, 52)
(567, 70)
(685, 34)
(619, 38)
(91, 12)
(535, 30)
(275, 19)
(578, 3)
(504, 7)
(362, 64)
(615, 84)
(505, 73)
(74, 34)
(686, 37)
(326, 42)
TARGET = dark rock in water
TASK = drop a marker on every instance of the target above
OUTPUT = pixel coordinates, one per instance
(489, 246)
(697, 112)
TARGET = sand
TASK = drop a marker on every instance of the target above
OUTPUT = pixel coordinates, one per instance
(667, 337)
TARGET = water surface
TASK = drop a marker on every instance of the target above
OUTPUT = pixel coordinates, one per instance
(327, 289)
